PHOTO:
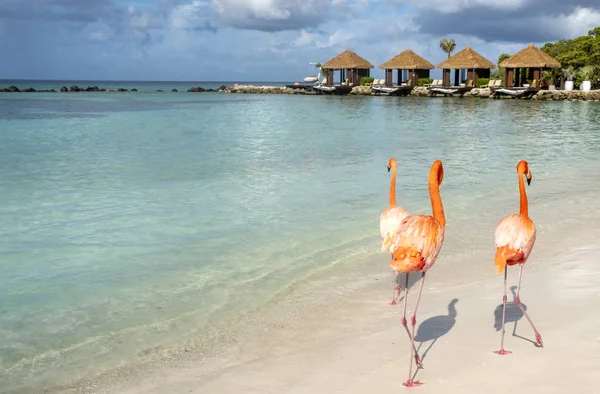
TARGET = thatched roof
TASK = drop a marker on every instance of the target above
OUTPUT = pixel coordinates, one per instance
(467, 58)
(347, 59)
(531, 56)
(407, 60)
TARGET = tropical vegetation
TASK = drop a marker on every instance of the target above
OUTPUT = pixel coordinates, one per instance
(322, 71)
(448, 45)
(579, 57)
(366, 81)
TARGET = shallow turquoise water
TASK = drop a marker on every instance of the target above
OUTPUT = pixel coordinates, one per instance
(130, 221)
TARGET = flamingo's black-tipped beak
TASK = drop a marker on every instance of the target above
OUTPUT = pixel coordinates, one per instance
(528, 181)
(389, 168)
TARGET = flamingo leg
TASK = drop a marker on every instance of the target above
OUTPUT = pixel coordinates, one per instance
(502, 351)
(397, 288)
(414, 352)
(538, 337)
(410, 382)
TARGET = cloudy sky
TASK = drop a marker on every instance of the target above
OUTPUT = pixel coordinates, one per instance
(261, 40)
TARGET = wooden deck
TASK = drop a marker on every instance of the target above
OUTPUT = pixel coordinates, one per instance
(338, 91)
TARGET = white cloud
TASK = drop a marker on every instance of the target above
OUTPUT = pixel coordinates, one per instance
(271, 15)
(145, 20)
(189, 16)
(305, 38)
(578, 23)
(260, 9)
(451, 6)
(99, 32)
(338, 38)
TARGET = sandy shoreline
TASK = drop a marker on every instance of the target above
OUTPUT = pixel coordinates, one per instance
(340, 335)
(365, 350)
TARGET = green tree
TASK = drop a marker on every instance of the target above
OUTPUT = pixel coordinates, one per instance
(498, 72)
(448, 46)
(502, 57)
(578, 53)
(322, 71)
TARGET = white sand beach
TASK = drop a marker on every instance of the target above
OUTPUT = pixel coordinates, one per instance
(347, 339)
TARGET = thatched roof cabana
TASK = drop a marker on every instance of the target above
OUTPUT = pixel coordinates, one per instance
(407, 60)
(526, 65)
(357, 66)
(476, 65)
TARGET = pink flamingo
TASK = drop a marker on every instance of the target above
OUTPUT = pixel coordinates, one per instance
(515, 236)
(416, 248)
(389, 222)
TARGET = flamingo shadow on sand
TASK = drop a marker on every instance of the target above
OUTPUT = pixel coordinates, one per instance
(435, 327)
(513, 314)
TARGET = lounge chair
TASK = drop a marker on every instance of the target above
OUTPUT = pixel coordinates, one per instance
(534, 84)
(469, 83)
(490, 84)
(323, 82)
(498, 83)
(433, 83)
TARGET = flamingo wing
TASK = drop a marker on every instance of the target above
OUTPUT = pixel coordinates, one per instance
(417, 243)
(516, 232)
(389, 223)
(514, 238)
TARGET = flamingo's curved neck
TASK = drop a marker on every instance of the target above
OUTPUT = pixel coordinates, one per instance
(393, 187)
(434, 194)
(524, 209)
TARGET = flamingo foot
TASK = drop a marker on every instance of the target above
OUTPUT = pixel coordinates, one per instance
(418, 361)
(502, 352)
(412, 383)
(538, 339)
(399, 292)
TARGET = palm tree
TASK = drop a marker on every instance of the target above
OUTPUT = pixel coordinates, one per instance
(322, 71)
(448, 46)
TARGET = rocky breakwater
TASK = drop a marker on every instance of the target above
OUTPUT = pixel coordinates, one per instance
(251, 89)
(564, 95)
(479, 92)
(198, 89)
(420, 91)
(361, 91)
(14, 89)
